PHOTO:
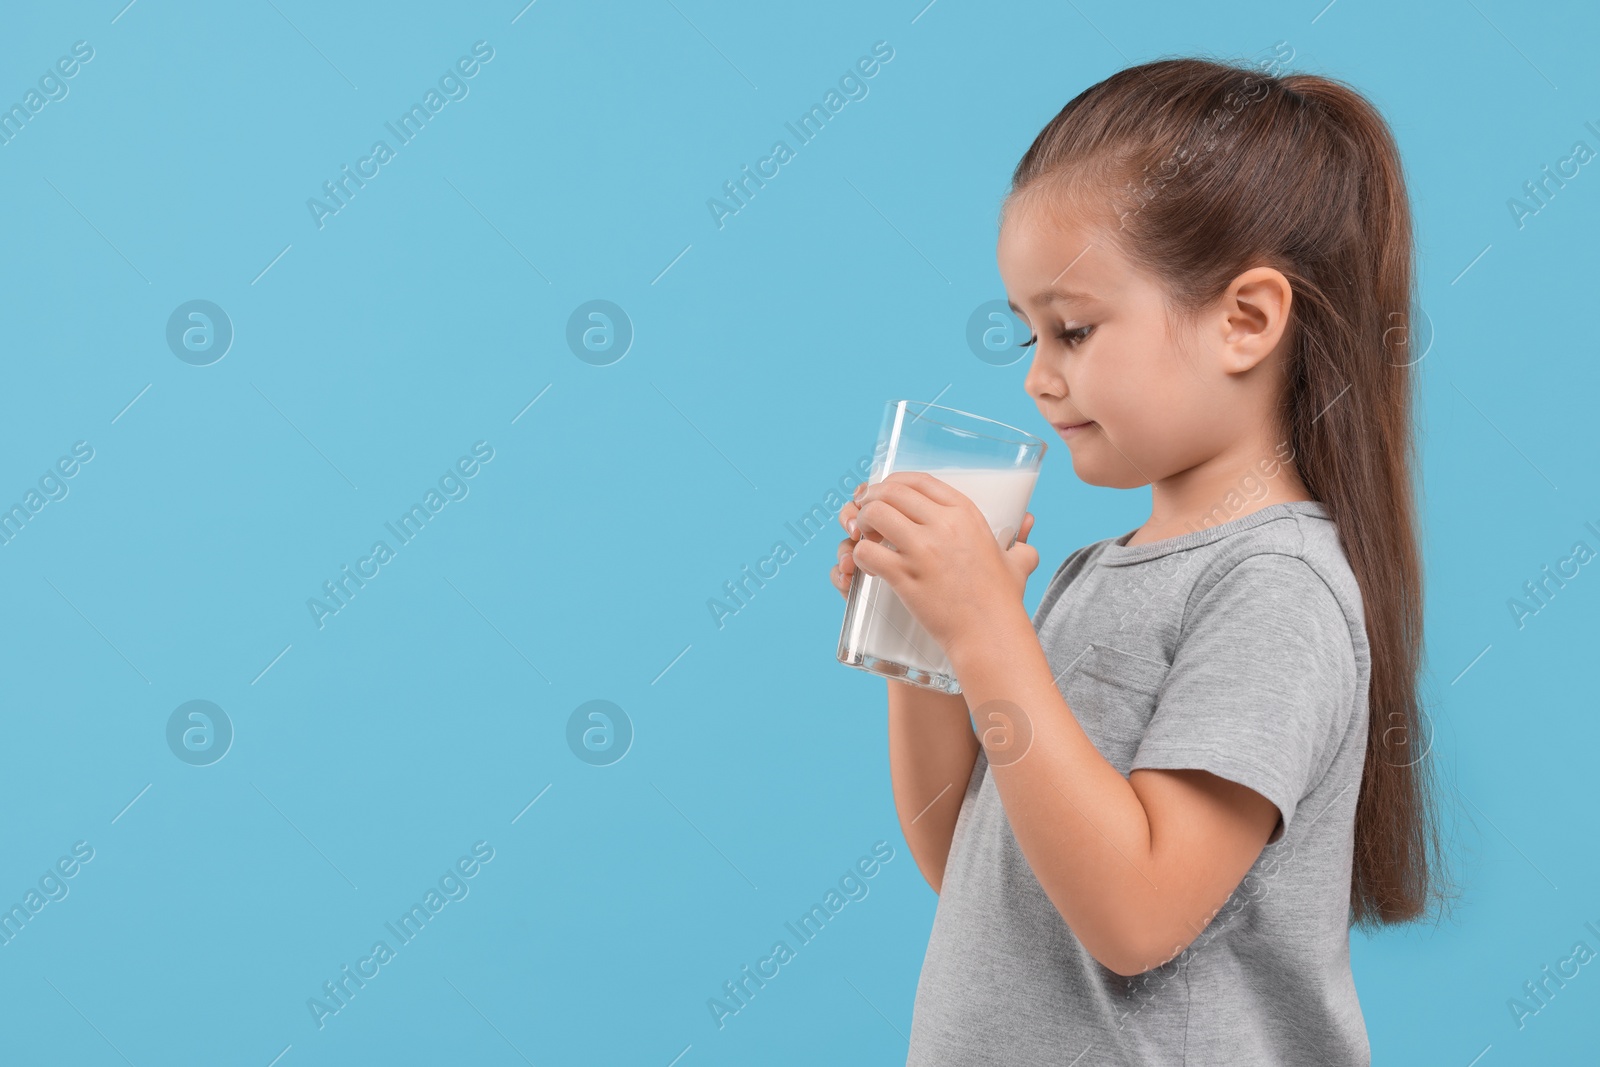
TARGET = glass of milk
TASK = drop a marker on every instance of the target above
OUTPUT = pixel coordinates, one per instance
(995, 466)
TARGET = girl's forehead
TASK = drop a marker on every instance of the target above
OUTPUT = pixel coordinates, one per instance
(1059, 209)
(1041, 253)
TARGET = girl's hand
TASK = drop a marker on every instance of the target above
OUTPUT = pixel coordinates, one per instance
(944, 563)
(844, 571)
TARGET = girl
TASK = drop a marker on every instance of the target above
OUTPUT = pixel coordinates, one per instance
(1155, 810)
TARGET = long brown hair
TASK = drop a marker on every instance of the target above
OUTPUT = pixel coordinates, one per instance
(1204, 169)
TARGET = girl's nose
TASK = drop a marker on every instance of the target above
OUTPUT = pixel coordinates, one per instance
(1042, 380)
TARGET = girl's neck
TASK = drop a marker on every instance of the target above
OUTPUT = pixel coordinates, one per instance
(1220, 490)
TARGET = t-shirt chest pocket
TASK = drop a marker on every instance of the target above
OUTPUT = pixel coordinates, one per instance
(1112, 694)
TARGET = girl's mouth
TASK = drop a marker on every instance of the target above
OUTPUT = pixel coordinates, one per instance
(1068, 429)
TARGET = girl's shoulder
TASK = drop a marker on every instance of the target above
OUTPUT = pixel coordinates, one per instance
(1284, 561)
(1292, 565)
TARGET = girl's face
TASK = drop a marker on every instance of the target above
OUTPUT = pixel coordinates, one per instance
(1132, 405)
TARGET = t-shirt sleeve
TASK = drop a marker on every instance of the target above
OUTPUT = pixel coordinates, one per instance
(1262, 686)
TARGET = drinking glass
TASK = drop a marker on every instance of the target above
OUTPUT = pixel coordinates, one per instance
(993, 464)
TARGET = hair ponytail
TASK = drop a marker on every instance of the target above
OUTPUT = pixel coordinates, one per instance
(1210, 169)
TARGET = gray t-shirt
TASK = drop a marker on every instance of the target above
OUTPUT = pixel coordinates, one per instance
(1241, 650)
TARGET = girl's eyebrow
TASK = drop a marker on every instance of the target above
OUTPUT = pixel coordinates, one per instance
(1050, 296)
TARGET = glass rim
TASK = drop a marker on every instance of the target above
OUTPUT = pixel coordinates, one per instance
(1028, 438)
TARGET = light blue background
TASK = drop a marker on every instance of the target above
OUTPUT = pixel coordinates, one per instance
(426, 316)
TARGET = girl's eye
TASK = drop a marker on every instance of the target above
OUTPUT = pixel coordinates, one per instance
(1072, 338)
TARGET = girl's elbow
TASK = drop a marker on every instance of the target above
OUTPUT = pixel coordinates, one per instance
(1129, 939)
(1126, 965)
(1134, 950)
(1135, 955)
(1111, 953)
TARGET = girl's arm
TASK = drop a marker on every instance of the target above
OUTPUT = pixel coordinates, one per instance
(932, 750)
(1136, 866)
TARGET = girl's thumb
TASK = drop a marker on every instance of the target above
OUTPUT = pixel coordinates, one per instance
(1027, 524)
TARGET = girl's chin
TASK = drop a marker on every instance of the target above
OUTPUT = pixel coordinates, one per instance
(1092, 471)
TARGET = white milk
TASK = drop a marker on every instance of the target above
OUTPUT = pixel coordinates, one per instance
(886, 628)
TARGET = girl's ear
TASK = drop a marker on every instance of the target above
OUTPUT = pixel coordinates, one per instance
(1255, 314)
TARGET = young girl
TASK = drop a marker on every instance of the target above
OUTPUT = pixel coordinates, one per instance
(1155, 810)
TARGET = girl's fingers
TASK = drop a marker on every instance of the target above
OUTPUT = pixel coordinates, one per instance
(886, 522)
(937, 490)
(847, 514)
(867, 550)
(1027, 524)
(909, 500)
(844, 571)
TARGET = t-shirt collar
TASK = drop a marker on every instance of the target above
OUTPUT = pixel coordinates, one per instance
(1119, 553)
